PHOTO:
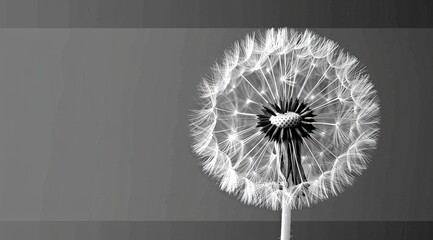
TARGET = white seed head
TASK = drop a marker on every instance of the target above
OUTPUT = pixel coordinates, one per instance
(285, 64)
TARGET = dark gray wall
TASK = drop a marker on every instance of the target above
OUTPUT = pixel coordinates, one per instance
(199, 230)
(211, 13)
(93, 126)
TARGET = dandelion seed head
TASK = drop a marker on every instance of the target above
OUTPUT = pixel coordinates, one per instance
(314, 106)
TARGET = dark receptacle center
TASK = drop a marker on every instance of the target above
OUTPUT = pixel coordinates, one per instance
(287, 122)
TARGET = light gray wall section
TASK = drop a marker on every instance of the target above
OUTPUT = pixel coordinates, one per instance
(93, 126)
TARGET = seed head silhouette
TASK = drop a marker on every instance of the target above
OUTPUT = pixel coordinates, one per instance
(286, 119)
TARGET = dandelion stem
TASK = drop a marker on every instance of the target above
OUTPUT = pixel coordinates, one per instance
(285, 220)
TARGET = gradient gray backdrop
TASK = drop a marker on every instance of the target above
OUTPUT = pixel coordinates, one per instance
(211, 13)
(93, 126)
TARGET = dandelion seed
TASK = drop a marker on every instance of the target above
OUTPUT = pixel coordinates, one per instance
(232, 137)
(307, 132)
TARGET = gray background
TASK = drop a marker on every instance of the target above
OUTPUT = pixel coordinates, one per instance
(93, 126)
(211, 13)
(226, 230)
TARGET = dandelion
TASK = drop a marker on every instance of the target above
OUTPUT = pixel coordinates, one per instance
(287, 119)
